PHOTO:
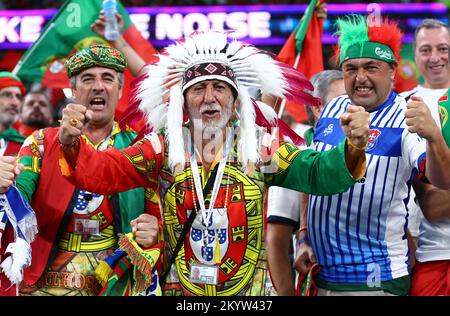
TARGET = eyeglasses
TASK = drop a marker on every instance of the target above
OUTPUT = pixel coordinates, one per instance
(9, 95)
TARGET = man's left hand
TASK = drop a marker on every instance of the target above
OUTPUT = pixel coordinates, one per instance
(145, 230)
(419, 119)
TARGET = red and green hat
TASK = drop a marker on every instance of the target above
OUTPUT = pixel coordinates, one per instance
(378, 39)
(96, 55)
(8, 79)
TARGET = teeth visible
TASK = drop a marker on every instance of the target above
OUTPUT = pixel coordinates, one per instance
(363, 89)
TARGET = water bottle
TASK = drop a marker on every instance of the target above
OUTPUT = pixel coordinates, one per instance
(111, 27)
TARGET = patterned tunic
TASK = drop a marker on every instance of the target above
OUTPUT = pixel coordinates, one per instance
(232, 238)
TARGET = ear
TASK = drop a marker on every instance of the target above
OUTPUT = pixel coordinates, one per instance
(120, 92)
(393, 70)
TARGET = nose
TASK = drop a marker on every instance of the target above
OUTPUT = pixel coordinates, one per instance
(15, 100)
(435, 56)
(209, 94)
(98, 86)
(361, 75)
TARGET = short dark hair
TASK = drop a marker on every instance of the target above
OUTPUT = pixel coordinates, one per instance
(429, 24)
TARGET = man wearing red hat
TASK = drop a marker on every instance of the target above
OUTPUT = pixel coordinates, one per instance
(11, 95)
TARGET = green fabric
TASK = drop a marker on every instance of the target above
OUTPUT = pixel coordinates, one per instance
(351, 30)
(13, 135)
(399, 286)
(309, 136)
(444, 108)
(69, 29)
(9, 74)
(302, 27)
(318, 173)
(97, 55)
(132, 201)
(368, 50)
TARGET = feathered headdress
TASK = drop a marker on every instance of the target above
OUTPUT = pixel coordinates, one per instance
(212, 55)
(379, 39)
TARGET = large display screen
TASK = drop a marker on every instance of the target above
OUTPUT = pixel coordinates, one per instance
(262, 25)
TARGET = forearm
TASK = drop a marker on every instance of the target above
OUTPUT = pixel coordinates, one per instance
(434, 202)
(278, 244)
(104, 172)
(438, 162)
(134, 61)
(355, 160)
(319, 173)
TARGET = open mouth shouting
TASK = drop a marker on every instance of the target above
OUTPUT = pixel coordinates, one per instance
(97, 103)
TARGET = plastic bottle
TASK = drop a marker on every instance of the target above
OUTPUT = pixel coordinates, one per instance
(111, 27)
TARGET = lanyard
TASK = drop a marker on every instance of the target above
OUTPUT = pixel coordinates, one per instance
(206, 215)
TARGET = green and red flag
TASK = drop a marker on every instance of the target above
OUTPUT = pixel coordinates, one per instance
(407, 75)
(303, 51)
(68, 31)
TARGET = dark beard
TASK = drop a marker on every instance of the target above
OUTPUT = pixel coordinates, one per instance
(37, 122)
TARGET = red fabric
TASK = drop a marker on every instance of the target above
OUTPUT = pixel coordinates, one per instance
(5, 286)
(12, 149)
(50, 201)
(431, 278)
(311, 59)
(94, 170)
(26, 130)
(11, 82)
(147, 52)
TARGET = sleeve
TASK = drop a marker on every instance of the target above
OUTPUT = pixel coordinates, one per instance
(31, 157)
(283, 206)
(414, 151)
(112, 170)
(313, 172)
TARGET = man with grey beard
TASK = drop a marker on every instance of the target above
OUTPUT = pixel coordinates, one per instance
(11, 95)
(213, 151)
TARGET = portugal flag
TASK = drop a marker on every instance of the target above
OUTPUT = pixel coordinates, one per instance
(68, 31)
(303, 51)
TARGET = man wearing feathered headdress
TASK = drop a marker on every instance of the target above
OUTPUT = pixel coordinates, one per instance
(359, 237)
(212, 213)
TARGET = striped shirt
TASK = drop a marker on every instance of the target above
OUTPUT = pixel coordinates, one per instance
(360, 236)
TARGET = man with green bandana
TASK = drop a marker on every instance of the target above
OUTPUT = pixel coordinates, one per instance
(359, 237)
(78, 228)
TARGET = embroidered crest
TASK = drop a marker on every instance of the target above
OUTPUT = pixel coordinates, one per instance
(373, 139)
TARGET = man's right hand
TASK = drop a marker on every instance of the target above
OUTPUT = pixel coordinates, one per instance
(304, 259)
(74, 119)
(9, 170)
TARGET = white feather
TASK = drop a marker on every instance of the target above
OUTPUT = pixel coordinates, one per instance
(174, 127)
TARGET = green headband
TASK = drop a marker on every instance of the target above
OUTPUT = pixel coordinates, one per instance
(92, 56)
(368, 50)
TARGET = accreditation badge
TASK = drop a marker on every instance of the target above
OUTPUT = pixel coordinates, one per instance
(204, 274)
(87, 227)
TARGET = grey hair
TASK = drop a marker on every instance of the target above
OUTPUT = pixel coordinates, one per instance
(429, 24)
(321, 81)
(73, 80)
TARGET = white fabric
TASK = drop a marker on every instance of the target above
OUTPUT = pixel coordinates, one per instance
(433, 238)
(284, 203)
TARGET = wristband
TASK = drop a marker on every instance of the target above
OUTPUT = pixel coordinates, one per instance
(356, 147)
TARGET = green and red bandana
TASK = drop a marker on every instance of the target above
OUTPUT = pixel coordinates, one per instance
(8, 79)
(359, 39)
(92, 56)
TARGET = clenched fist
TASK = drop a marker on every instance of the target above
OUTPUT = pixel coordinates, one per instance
(9, 170)
(74, 119)
(145, 230)
(355, 123)
(419, 119)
